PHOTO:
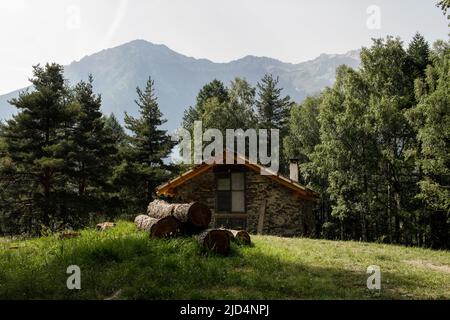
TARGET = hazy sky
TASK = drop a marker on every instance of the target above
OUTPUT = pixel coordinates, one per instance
(33, 31)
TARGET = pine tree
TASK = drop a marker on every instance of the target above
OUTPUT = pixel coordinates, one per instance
(148, 146)
(36, 142)
(272, 109)
(93, 145)
(418, 53)
(273, 112)
(115, 128)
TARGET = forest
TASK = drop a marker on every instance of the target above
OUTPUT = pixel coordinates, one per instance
(375, 145)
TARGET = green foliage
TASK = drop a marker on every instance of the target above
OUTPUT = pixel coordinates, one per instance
(214, 89)
(223, 108)
(91, 145)
(304, 129)
(62, 163)
(116, 130)
(36, 142)
(419, 54)
(444, 5)
(431, 119)
(376, 146)
(272, 109)
(143, 167)
(125, 264)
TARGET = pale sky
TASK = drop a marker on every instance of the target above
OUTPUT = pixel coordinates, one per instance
(39, 31)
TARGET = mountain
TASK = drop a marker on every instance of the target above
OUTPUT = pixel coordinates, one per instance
(178, 78)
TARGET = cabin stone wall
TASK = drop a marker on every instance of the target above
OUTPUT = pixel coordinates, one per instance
(285, 213)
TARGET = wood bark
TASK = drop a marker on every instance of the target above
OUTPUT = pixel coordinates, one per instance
(158, 228)
(241, 236)
(193, 214)
(216, 240)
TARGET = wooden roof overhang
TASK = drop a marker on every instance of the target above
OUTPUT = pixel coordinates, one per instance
(168, 189)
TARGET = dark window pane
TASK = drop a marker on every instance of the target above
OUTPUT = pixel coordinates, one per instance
(223, 184)
(223, 201)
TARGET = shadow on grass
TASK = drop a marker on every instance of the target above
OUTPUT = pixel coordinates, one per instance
(140, 268)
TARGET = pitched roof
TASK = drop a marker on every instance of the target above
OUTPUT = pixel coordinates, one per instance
(167, 189)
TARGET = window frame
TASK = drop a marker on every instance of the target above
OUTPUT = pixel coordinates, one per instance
(221, 174)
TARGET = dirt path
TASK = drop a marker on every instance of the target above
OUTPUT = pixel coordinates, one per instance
(428, 265)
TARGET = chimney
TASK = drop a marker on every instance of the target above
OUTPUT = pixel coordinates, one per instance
(293, 170)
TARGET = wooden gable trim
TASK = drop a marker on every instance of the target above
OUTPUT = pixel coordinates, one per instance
(168, 188)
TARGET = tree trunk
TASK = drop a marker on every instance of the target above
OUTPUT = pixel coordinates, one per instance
(389, 214)
(158, 228)
(367, 208)
(192, 214)
(398, 209)
(216, 240)
(47, 187)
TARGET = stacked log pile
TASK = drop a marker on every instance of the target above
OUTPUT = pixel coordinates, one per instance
(165, 220)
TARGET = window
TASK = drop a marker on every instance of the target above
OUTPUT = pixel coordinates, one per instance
(231, 192)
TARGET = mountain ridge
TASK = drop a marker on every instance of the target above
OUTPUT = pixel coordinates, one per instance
(119, 70)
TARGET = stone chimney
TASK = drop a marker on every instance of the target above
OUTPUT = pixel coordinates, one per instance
(293, 170)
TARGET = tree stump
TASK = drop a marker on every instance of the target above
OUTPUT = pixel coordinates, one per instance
(215, 240)
(193, 214)
(158, 228)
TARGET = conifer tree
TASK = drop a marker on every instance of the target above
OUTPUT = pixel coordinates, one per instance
(93, 145)
(419, 55)
(148, 146)
(272, 109)
(273, 112)
(35, 140)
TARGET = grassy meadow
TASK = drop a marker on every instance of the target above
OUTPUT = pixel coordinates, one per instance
(123, 263)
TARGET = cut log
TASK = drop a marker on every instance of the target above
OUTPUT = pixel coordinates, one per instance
(215, 240)
(158, 228)
(193, 214)
(241, 236)
(105, 225)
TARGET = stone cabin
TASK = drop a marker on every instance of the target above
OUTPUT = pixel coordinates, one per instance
(241, 198)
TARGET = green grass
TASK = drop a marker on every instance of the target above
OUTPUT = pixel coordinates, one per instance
(123, 262)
